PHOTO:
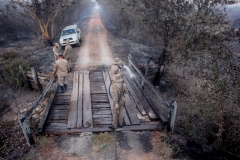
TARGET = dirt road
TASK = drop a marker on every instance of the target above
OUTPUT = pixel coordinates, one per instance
(94, 51)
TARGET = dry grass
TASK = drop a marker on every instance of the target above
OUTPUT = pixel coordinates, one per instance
(103, 147)
(103, 138)
(161, 146)
(45, 149)
(102, 142)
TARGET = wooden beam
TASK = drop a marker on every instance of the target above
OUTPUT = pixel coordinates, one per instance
(80, 101)
(87, 110)
(107, 83)
(102, 112)
(102, 121)
(59, 107)
(131, 111)
(162, 118)
(148, 82)
(73, 109)
(135, 98)
(100, 105)
(146, 105)
(35, 78)
(25, 78)
(100, 98)
(57, 112)
(157, 110)
(61, 99)
(61, 129)
(46, 111)
(125, 118)
(102, 116)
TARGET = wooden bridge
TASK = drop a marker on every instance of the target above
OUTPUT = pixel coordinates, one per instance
(86, 106)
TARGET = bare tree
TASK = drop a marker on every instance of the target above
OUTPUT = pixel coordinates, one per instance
(43, 12)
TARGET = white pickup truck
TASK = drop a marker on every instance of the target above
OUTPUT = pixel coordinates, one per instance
(71, 33)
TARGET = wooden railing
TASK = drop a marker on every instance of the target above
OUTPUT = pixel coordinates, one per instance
(166, 111)
(23, 119)
(35, 80)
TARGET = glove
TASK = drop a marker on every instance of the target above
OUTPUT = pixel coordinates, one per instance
(117, 106)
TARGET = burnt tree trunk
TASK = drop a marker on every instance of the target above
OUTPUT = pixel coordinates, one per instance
(161, 62)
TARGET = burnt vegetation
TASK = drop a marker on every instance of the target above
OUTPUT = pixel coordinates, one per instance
(195, 44)
(26, 33)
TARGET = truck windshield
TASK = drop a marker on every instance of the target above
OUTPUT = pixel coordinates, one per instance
(68, 31)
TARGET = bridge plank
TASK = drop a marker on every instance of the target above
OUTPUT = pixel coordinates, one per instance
(97, 87)
(56, 121)
(55, 117)
(135, 98)
(59, 112)
(146, 105)
(73, 109)
(67, 93)
(55, 126)
(80, 102)
(61, 99)
(162, 118)
(101, 112)
(157, 110)
(97, 79)
(59, 107)
(100, 105)
(102, 116)
(100, 98)
(126, 118)
(96, 76)
(98, 84)
(102, 121)
(131, 111)
(87, 111)
(98, 91)
(95, 73)
(107, 83)
(62, 103)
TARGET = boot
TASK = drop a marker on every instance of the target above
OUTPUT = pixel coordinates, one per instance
(111, 127)
(65, 86)
(62, 89)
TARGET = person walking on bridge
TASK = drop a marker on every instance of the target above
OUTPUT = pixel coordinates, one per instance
(61, 69)
(118, 100)
(67, 53)
(56, 51)
(116, 68)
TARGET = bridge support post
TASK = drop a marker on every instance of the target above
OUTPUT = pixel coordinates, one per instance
(35, 78)
(25, 78)
(172, 116)
(26, 129)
